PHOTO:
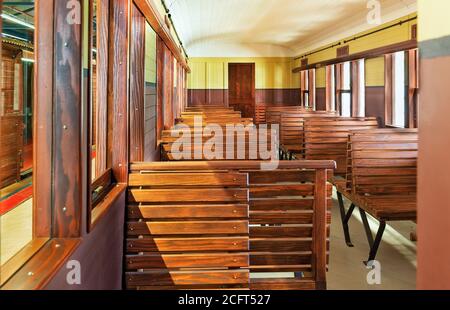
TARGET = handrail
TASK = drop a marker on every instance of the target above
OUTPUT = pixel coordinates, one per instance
(230, 165)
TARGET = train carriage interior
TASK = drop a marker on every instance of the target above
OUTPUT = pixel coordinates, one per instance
(224, 145)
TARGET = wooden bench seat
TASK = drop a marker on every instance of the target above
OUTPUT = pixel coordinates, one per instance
(208, 225)
(327, 138)
(292, 130)
(381, 180)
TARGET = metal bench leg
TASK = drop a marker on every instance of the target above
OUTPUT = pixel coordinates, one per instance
(373, 243)
(345, 218)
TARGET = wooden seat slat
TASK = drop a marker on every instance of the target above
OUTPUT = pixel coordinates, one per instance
(204, 260)
(186, 245)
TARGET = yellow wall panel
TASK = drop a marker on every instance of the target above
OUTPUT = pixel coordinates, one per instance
(321, 74)
(270, 72)
(375, 72)
(215, 76)
(390, 36)
(197, 77)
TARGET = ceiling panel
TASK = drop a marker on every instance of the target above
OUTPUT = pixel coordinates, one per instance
(267, 27)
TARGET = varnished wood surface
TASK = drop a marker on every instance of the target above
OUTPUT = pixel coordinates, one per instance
(38, 271)
(230, 165)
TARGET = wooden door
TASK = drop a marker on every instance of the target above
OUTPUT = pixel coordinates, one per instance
(241, 84)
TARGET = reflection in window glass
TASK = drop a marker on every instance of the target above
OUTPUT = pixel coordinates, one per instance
(150, 94)
(346, 76)
(399, 97)
(346, 104)
(16, 121)
(93, 98)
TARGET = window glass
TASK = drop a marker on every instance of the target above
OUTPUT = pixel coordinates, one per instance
(399, 96)
(346, 104)
(346, 75)
(362, 88)
(150, 100)
(16, 121)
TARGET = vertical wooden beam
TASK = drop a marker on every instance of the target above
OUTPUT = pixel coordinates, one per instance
(320, 229)
(388, 88)
(118, 88)
(312, 88)
(328, 94)
(413, 69)
(137, 81)
(339, 83)
(43, 136)
(68, 113)
(102, 86)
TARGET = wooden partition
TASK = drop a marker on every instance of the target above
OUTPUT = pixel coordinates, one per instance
(212, 224)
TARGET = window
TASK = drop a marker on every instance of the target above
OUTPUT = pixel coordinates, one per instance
(308, 79)
(330, 88)
(150, 99)
(17, 131)
(96, 46)
(346, 91)
(361, 88)
(399, 90)
(358, 81)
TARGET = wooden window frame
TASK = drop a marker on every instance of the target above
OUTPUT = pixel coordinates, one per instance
(104, 182)
(57, 147)
(330, 97)
(339, 78)
(411, 91)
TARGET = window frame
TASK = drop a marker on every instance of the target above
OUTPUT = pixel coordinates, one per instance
(57, 132)
(104, 181)
(340, 90)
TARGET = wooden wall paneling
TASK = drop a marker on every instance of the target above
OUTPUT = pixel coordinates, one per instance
(375, 103)
(118, 88)
(413, 69)
(102, 86)
(388, 87)
(338, 79)
(355, 88)
(69, 159)
(137, 81)
(160, 86)
(312, 88)
(329, 106)
(43, 114)
(168, 88)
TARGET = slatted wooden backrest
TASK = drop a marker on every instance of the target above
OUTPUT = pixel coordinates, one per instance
(222, 121)
(273, 113)
(260, 113)
(228, 218)
(384, 161)
(292, 127)
(208, 108)
(328, 139)
(187, 230)
(243, 143)
(283, 236)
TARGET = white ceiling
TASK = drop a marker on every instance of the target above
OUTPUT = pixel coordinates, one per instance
(276, 28)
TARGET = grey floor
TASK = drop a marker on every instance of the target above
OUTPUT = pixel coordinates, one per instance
(397, 256)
